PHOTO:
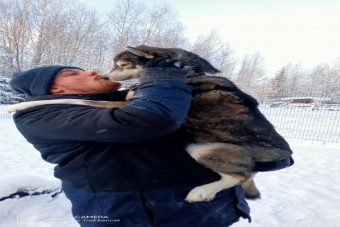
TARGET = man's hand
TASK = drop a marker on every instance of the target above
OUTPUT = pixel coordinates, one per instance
(164, 63)
(165, 69)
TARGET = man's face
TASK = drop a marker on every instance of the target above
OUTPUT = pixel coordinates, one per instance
(76, 81)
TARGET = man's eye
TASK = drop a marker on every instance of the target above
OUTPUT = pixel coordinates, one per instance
(124, 64)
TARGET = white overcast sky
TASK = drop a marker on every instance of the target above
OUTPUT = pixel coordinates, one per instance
(283, 31)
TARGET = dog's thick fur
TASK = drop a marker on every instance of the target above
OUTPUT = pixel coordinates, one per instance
(231, 133)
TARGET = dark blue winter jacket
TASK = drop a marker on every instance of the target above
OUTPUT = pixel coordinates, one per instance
(136, 147)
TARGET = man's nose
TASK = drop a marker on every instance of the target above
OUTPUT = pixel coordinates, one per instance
(92, 73)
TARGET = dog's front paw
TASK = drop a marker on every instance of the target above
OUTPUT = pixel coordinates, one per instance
(200, 194)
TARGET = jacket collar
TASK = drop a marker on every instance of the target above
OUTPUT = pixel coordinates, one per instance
(110, 96)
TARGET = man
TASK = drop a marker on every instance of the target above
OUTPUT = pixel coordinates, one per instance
(123, 166)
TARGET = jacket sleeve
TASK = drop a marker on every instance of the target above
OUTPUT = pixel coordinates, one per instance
(158, 107)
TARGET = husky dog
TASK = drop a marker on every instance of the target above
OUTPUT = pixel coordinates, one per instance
(232, 135)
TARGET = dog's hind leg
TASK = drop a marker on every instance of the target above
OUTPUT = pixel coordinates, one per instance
(207, 192)
(234, 163)
(250, 189)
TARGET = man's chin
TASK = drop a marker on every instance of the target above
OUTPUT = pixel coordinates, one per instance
(111, 85)
(115, 85)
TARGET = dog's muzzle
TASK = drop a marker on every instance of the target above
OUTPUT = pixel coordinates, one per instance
(104, 77)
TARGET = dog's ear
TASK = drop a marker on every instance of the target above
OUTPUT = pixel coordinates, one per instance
(147, 52)
(139, 53)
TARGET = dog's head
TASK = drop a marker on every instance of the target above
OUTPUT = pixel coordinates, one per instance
(131, 63)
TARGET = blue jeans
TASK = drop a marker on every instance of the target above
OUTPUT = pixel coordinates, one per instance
(156, 208)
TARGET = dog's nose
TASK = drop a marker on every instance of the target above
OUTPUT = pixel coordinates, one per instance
(104, 77)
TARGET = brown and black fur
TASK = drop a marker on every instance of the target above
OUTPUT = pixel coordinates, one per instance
(188, 58)
(221, 112)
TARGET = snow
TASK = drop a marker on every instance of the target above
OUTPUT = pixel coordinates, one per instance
(27, 183)
(304, 195)
(21, 167)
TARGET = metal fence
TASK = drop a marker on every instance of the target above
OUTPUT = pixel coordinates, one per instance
(305, 117)
(3, 112)
(304, 123)
(302, 118)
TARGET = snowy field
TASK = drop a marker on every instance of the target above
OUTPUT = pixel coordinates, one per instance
(304, 195)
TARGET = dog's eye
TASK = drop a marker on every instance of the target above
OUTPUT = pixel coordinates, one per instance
(124, 64)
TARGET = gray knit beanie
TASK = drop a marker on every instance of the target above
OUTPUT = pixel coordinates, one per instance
(37, 81)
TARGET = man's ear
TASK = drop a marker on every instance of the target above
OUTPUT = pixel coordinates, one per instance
(56, 90)
(146, 51)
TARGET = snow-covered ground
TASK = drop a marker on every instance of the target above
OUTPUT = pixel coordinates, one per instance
(304, 195)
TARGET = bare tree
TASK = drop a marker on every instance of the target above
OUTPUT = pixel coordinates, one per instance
(251, 73)
(295, 79)
(124, 20)
(207, 46)
(217, 52)
(72, 36)
(14, 31)
(162, 28)
(46, 32)
(46, 25)
(173, 36)
(156, 20)
(226, 61)
(324, 79)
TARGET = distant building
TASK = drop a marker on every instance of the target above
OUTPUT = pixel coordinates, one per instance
(304, 101)
(307, 100)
